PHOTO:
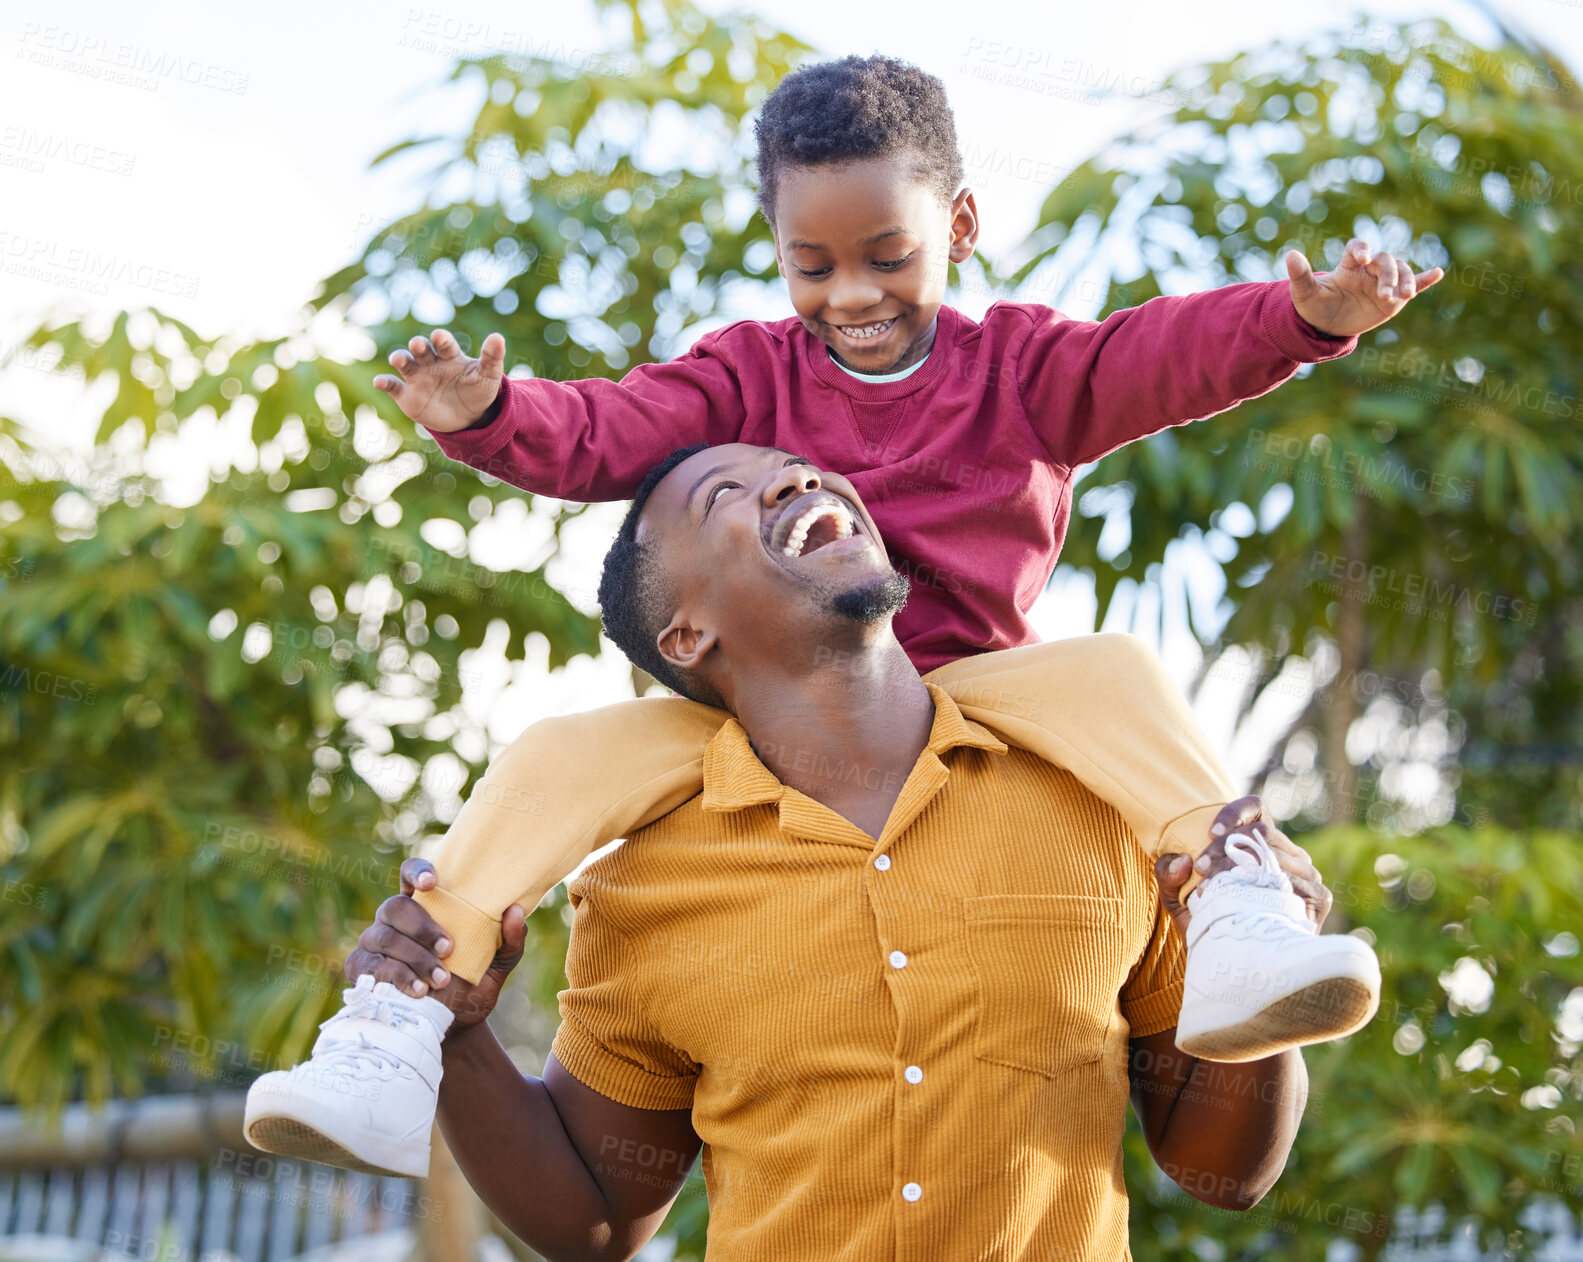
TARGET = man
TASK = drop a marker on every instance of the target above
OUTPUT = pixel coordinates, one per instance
(891, 973)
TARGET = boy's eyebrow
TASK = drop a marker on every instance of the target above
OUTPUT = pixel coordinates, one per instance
(800, 244)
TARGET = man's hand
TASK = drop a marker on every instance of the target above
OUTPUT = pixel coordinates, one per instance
(1245, 815)
(1362, 293)
(440, 388)
(404, 946)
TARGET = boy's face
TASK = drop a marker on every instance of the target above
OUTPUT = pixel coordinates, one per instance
(863, 246)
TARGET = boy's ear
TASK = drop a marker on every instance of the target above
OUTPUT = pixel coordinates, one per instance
(684, 646)
(964, 226)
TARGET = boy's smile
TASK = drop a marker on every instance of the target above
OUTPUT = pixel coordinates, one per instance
(864, 246)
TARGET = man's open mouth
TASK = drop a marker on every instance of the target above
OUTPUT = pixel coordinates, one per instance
(811, 522)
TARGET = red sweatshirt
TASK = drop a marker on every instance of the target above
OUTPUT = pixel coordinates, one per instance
(966, 465)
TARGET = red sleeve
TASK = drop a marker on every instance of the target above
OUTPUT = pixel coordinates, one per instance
(1090, 388)
(595, 440)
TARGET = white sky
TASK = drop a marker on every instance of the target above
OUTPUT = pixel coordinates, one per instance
(232, 171)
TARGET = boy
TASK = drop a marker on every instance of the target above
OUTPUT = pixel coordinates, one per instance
(963, 439)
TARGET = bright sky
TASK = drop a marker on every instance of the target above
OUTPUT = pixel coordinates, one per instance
(213, 160)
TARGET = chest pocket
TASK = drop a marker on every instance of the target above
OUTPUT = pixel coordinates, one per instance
(1047, 968)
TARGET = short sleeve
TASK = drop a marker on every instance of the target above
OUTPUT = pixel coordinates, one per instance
(606, 1040)
(1152, 996)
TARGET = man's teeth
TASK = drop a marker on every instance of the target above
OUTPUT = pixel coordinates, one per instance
(799, 532)
(861, 331)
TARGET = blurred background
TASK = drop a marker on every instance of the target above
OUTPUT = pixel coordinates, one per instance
(258, 637)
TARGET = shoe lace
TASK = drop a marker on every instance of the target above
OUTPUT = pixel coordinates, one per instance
(355, 1054)
(1254, 863)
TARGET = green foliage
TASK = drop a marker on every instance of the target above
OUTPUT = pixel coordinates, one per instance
(1465, 1092)
(224, 724)
(1450, 439)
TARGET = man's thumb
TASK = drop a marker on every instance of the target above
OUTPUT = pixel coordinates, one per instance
(513, 934)
(1172, 872)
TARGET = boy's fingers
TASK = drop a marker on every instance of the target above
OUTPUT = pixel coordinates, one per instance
(1433, 276)
(445, 346)
(492, 355)
(390, 385)
(1355, 256)
(401, 359)
(1384, 271)
(1300, 273)
(420, 348)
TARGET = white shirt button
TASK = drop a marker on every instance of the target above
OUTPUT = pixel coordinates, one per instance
(883, 863)
(910, 1191)
(898, 960)
(913, 1074)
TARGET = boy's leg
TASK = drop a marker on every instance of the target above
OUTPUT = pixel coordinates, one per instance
(1103, 707)
(557, 793)
(1258, 978)
(366, 1099)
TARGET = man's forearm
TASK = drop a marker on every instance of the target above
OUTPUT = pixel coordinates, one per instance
(511, 1144)
(1231, 1127)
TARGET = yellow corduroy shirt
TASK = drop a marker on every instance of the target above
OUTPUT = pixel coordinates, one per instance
(902, 1048)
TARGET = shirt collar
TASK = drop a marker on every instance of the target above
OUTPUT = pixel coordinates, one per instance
(735, 779)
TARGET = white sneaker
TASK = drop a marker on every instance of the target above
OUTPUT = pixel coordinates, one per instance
(1260, 977)
(366, 1099)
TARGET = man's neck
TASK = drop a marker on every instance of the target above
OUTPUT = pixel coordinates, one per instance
(846, 731)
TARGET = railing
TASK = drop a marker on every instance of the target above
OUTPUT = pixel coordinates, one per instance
(170, 1179)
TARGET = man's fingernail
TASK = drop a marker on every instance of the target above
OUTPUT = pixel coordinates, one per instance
(1203, 863)
(440, 976)
(1216, 829)
(418, 987)
(442, 947)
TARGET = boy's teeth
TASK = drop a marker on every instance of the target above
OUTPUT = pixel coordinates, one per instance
(865, 330)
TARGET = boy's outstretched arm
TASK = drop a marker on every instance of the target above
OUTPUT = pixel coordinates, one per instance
(590, 440)
(1090, 387)
(1364, 291)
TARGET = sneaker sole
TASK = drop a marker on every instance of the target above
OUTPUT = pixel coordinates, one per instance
(289, 1137)
(1328, 1009)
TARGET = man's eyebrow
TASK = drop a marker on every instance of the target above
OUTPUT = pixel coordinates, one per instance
(800, 244)
(723, 468)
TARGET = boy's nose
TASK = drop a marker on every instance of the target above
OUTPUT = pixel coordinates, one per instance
(853, 294)
(793, 480)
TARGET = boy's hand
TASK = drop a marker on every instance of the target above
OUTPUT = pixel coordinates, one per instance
(1362, 293)
(404, 946)
(1245, 815)
(440, 388)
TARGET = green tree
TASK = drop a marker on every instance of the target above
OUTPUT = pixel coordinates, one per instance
(223, 725)
(1398, 535)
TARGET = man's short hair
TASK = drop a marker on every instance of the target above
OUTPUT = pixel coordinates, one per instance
(857, 107)
(636, 596)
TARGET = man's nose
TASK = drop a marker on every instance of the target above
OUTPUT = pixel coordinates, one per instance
(793, 480)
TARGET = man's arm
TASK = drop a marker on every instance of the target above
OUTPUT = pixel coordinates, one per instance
(1223, 1131)
(574, 1174)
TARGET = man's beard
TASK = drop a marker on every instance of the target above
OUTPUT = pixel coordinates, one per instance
(875, 600)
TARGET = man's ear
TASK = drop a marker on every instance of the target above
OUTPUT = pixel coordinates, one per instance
(684, 646)
(964, 226)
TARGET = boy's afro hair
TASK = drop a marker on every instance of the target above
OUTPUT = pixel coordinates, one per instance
(857, 107)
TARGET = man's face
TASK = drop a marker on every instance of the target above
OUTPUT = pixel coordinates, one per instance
(863, 246)
(772, 556)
